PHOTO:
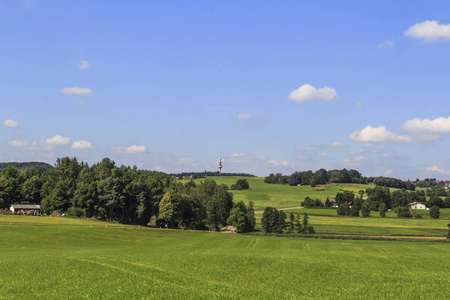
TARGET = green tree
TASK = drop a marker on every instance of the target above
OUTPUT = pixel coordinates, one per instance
(251, 216)
(238, 217)
(365, 209)
(298, 224)
(383, 209)
(434, 212)
(169, 209)
(354, 210)
(403, 212)
(343, 209)
(291, 222)
(361, 193)
(218, 209)
(273, 220)
(241, 184)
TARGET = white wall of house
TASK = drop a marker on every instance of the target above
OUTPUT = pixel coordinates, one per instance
(419, 206)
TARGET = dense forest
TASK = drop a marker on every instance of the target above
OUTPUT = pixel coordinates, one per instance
(323, 176)
(41, 166)
(123, 194)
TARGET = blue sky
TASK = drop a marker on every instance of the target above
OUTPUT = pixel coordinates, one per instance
(275, 86)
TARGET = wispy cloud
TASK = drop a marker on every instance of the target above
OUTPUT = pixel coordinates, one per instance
(18, 143)
(11, 123)
(306, 148)
(243, 116)
(438, 170)
(337, 144)
(129, 150)
(386, 44)
(83, 65)
(78, 91)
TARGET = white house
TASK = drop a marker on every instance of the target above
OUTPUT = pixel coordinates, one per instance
(417, 205)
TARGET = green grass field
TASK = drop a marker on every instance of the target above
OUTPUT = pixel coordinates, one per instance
(277, 195)
(73, 260)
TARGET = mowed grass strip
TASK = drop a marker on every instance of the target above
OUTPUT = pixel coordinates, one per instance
(81, 262)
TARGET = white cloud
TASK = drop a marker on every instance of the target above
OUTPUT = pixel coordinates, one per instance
(57, 140)
(359, 104)
(438, 125)
(380, 135)
(306, 148)
(438, 170)
(337, 144)
(76, 91)
(82, 145)
(130, 150)
(17, 143)
(308, 93)
(186, 160)
(386, 44)
(323, 154)
(429, 31)
(283, 163)
(360, 158)
(11, 123)
(237, 154)
(83, 65)
(358, 151)
(388, 172)
(243, 116)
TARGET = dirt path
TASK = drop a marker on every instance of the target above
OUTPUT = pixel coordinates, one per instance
(412, 237)
(285, 208)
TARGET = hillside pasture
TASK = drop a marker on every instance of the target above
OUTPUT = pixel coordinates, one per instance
(278, 195)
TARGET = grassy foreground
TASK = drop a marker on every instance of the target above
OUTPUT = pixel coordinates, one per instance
(69, 260)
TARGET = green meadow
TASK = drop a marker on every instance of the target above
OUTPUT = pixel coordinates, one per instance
(72, 258)
(277, 195)
(61, 258)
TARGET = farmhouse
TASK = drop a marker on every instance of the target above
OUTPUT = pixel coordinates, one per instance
(417, 205)
(20, 209)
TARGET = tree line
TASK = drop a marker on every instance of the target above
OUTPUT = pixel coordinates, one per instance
(199, 175)
(127, 195)
(381, 199)
(323, 176)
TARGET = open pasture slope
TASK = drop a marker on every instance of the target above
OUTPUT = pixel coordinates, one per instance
(73, 261)
(278, 195)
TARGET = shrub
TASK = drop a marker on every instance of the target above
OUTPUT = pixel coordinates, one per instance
(403, 212)
(75, 212)
(241, 184)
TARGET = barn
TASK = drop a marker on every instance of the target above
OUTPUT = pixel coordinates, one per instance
(22, 209)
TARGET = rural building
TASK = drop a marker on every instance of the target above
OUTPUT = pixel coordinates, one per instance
(417, 205)
(20, 209)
